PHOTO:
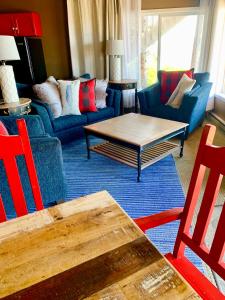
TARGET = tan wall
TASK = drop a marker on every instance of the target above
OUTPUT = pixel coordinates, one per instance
(55, 33)
(157, 4)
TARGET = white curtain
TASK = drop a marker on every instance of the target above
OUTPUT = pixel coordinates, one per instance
(131, 13)
(214, 57)
(91, 23)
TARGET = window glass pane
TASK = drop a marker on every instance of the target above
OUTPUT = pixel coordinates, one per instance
(149, 50)
(178, 35)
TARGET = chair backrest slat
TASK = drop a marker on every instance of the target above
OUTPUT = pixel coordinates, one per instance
(211, 157)
(207, 206)
(30, 166)
(10, 147)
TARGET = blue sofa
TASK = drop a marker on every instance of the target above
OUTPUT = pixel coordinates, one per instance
(192, 109)
(47, 154)
(67, 128)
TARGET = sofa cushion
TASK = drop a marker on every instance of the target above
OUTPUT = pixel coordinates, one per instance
(185, 85)
(69, 91)
(69, 121)
(87, 96)
(48, 92)
(164, 112)
(102, 114)
(100, 93)
(169, 81)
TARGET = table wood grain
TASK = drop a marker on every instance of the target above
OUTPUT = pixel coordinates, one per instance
(87, 248)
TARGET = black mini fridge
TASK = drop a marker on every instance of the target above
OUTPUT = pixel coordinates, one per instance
(31, 66)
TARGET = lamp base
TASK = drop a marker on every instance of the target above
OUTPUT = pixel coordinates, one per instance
(8, 84)
(115, 68)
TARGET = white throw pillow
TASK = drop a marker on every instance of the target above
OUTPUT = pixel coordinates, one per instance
(69, 91)
(185, 85)
(48, 93)
(100, 93)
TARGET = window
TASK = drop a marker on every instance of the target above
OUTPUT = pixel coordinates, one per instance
(170, 40)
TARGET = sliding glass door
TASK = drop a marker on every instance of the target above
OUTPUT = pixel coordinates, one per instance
(169, 41)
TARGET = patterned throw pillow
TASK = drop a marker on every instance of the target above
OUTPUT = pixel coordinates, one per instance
(100, 93)
(3, 130)
(87, 96)
(185, 85)
(69, 91)
(169, 81)
(48, 92)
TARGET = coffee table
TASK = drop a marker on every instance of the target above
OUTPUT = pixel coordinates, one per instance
(136, 140)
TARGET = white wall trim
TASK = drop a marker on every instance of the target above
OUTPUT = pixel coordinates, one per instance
(172, 11)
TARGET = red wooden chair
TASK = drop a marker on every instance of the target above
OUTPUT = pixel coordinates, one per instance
(10, 147)
(213, 158)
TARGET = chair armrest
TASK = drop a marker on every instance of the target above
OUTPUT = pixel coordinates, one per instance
(149, 97)
(114, 100)
(34, 124)
(43, 110)
(155, 220)
(194, 103)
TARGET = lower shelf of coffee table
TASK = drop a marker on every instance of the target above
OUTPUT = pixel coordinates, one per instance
(129, 156)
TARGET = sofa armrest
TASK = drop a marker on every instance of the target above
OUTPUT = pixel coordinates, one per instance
(43, 110)
(47, 153)
(114, 100)
(34, 124)
(194, 103)
(149, 97)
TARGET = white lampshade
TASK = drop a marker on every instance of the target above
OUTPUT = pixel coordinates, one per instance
(8, 48)
(114, 47)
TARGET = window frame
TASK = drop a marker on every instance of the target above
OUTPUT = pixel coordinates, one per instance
(177, 12)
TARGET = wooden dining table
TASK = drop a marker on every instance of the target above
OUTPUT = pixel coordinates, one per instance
(87, 248)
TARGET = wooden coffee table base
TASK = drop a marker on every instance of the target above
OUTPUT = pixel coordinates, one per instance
(129, 156)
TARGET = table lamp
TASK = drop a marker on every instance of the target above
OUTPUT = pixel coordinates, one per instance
(114, 48)
(8, 51)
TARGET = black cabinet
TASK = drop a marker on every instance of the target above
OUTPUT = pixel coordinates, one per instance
(31, 66)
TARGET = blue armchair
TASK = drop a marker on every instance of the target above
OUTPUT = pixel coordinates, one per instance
(47, 154)
(192, 109)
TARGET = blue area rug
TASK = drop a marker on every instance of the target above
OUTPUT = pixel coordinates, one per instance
(160, 188)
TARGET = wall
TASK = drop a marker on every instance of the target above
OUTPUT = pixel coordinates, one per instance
(157, 4)
(55, 33)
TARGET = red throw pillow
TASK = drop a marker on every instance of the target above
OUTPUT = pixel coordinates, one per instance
(87, 96)
(3, 130)
(169, 81)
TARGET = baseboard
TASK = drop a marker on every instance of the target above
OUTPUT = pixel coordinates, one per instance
(217, 120)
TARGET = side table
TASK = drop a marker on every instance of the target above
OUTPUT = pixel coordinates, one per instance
(125, 84)
(16, 108)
